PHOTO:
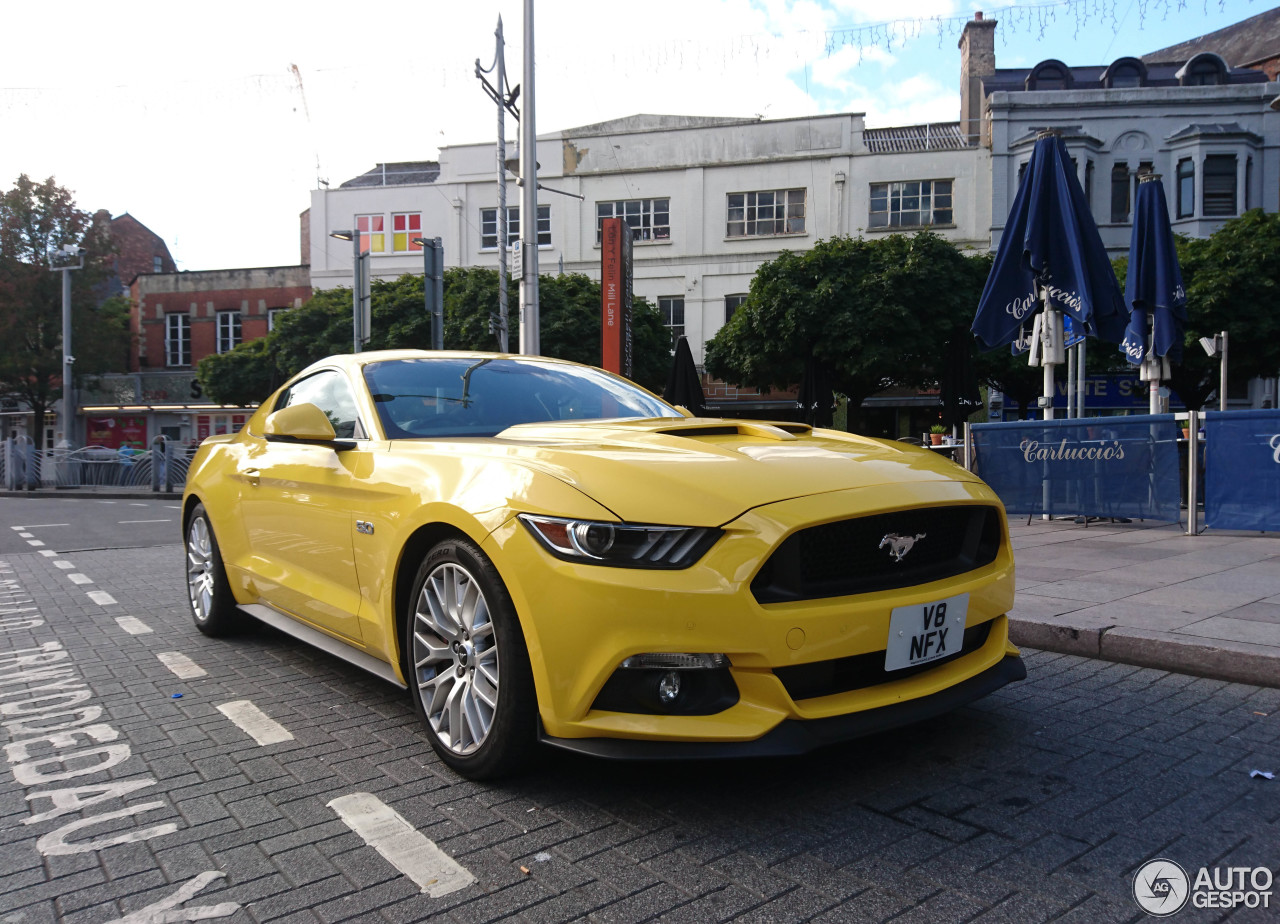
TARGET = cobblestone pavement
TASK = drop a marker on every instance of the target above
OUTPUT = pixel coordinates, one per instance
(1035, 804)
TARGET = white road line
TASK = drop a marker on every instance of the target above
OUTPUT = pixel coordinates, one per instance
(181, 665)
(405, 848)
(173, 506)
(132, 624)
(26, 536)
(137, 505)
(34, 542)
(41, 525)
(106, 502)
(256, 723)
(169, 520)
(48, 553)
(78, 578)
(17, 528)
(63, 564)
(101, 597)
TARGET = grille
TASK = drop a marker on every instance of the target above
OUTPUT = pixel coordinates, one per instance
(846, 557)
(823, 678)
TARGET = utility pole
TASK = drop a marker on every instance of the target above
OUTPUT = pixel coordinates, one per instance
(505, 97)
(529, 338)
(67, 258)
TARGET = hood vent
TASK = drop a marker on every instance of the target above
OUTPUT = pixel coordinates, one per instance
(768, 431)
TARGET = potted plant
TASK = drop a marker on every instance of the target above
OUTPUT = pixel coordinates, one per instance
(935, 434)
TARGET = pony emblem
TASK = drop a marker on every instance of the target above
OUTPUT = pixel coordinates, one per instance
(899, 546)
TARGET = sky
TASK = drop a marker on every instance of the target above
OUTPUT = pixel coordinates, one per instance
(211, 123)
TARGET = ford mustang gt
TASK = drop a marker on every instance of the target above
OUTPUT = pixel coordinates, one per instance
(544, 552)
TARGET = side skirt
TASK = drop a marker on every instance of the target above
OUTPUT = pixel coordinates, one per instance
(317, 639)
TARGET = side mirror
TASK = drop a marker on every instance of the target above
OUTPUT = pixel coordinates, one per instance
(299, 423)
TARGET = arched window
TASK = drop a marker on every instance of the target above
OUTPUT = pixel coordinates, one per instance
(1204, 70)
(1125, 72)
(1049, 75)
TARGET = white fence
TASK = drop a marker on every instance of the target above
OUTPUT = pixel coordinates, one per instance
(163, 467)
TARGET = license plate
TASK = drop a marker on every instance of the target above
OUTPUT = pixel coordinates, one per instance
(925, 632)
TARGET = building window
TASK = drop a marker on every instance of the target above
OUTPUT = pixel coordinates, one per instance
(649, 219)
(273, 315)
(776, 211)
(1120, 193)
(405, 228)
(228, 331)
(373, 235)
(1219, 185)
(157, 264)
(1204, 70)
(177, 340)
(672, 308)
(731, 304)
(1186, 188)
(1049, 75)
(912, 204)
(489, 227)
(1124, 73)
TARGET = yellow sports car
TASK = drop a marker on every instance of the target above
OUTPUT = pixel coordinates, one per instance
(543, 551)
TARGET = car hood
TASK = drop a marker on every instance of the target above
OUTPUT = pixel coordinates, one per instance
(703, 472)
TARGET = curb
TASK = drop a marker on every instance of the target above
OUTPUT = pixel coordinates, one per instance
(104, 495)
(1218, 659)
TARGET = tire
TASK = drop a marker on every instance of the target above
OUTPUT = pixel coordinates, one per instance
(468, 667)
(212, 605)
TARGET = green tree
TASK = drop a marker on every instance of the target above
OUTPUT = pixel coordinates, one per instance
(873, 313)
(36, 220)
(570, 329)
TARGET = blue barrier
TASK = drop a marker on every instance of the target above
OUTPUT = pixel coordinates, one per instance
(1242, 470)
(1090, 466)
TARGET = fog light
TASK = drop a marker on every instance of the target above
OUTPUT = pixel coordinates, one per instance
(669, 688)
(675, 661)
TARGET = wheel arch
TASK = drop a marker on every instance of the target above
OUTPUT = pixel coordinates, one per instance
(415, 549)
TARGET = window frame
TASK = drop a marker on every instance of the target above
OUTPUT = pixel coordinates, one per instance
(228, 331)
(667, 305)
(904, 195)
(1185, 203)
(731, 304)
(179, 345)
(1221, 198)
(373, 234)
(645, 229)
(408, 232)
(513, 227)
(750, 206)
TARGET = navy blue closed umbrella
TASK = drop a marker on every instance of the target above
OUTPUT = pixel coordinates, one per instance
(1153, 287)
(1050, 240)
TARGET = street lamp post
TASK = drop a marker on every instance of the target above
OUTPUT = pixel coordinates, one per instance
(360, 324)
(67, 258)
(433, 286)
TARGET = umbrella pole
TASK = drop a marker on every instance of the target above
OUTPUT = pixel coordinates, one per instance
(1080, 390)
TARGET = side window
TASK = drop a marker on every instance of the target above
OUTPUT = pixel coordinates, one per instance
(329, 391)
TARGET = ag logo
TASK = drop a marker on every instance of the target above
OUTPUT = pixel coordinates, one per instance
(1161, 887)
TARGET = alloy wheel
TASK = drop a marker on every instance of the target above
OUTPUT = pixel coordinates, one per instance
(200, 576)
(455, 658)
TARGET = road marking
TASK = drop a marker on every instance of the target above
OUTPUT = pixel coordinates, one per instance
(173, 506)
(41, 525)
(17, 528)
(106, 502)
(101, 597)
(170, 520)
(132, 624)
(256, 723)
(168, 909)
(48, 553)
(137, 505)
(34, 542)
(181, 665)
(63, 564)
(78, 578)
(25, 536)
(405, 848)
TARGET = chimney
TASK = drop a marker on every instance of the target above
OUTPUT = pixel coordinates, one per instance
(977, 60)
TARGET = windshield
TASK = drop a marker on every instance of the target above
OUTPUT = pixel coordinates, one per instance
(465, 396)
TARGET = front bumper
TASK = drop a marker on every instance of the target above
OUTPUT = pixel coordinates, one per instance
(580, 621)
(799, 736)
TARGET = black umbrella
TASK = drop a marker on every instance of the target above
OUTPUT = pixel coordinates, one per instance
(1153, 288)
(958, 383)
(684, 385)
(816, 400)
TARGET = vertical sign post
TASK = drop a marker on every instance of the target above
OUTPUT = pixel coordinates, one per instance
(615, 296)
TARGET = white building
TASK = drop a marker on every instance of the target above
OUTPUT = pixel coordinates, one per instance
(709, 200)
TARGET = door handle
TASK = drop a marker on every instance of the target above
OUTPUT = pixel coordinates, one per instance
(252, 475)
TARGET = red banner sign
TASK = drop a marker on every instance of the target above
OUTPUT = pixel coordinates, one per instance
(114, 432)
(615, 295)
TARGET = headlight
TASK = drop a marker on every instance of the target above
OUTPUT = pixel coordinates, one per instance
(623, 545)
